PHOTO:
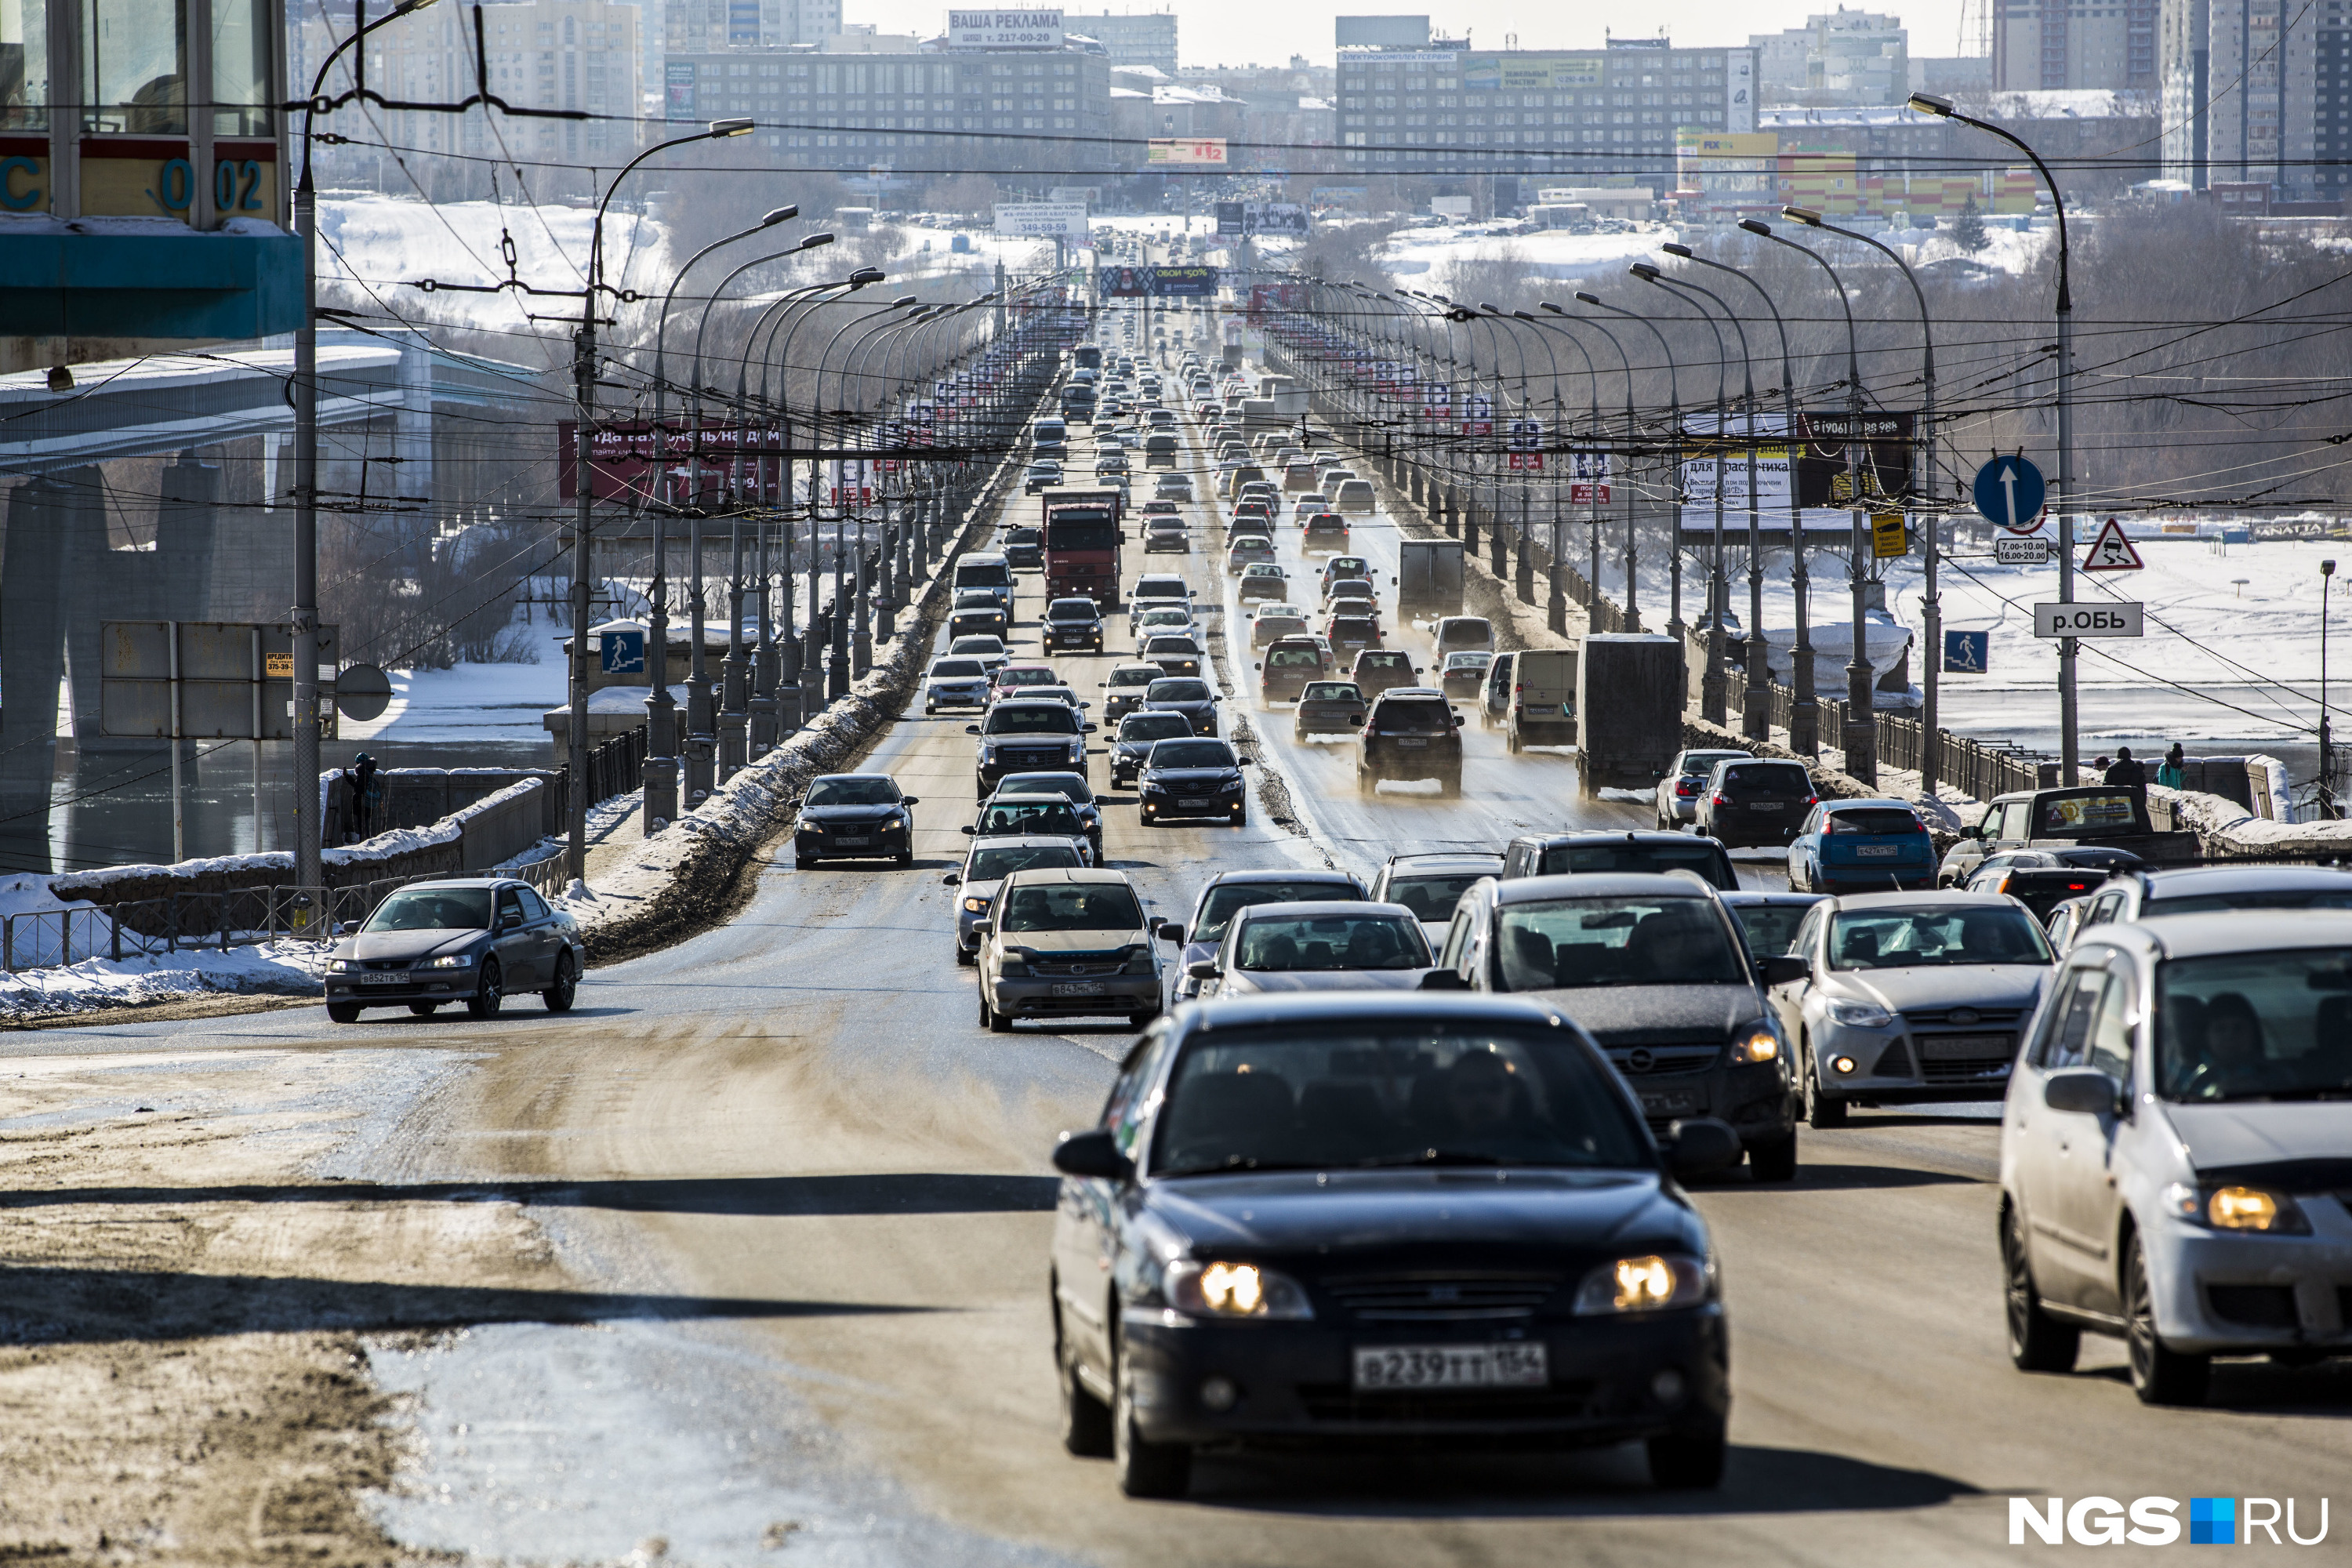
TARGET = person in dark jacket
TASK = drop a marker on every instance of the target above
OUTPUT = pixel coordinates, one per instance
(2123, 771)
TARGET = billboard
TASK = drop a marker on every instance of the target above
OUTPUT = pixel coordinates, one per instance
(1045, 220)
(1381, 32)
(1530, 72)
(1245, 218)
(678, 78)
(1184, 282)
(1125, 282)
(1199, 152)
(1029, 29)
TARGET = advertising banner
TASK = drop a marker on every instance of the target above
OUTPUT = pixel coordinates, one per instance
(1046, 220)
(1125, 282)
(1184, 282)
(1700, 475)
(1023, 29)
(1587, 471)
(1198, 151)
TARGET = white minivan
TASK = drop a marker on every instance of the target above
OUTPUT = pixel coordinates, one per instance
(2176, 1148)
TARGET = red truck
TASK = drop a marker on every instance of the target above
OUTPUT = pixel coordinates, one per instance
(1082, 540)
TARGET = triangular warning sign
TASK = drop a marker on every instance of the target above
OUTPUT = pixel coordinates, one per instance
(2111, 552)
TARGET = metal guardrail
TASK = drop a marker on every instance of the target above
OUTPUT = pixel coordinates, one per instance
(1972, 767)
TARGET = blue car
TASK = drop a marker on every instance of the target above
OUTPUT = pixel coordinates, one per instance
(1862, 846)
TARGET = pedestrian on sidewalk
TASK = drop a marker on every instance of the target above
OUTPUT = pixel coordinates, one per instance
(2169, 773)
(2124, 771)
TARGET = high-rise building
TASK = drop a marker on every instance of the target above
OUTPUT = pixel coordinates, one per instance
(2257, 92)
(1446, 109)
(2053, 45)
(1147, 38)
(693, 26)
(1839, 58)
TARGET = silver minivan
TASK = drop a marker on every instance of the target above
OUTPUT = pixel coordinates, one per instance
(2175, 1148)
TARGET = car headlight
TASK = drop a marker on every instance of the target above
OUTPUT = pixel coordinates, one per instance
(1219, 1289)
(1861, 1015)
(452, 960)
(1232, 780)
(2238, 1207)
(342, 966)
(976, 906)
(1755, 1043)
(808, 825)
(1645, 1284)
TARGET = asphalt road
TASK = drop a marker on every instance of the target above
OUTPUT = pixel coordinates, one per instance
(794, 1130)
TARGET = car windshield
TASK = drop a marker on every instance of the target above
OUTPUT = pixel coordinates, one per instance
(1331, 691)
(2070, 816)
(1069, 787)
(1135, 677)
(1784, 778)
(853, 792)
(977, 645)
(1035, 719)
(2252, 899)
(1166, 643)
(1168, 617)
(978, 599)
(994, 864)
(1072, 906)
(1944, 934)
(1432, 896)
(1017, 677)
(1348, 566)
(1698, 764)
(1148, 589)
(1393, 1093)
(1884, 821)
(1617, 941)
(1011, 818)
(433, 909)
(1217, 909)
(1072, 610)
(2255, 1026)
(1771, 929)
(1293, 658)
(988, 574)
(1385, 661)
(1455, 662)
(1178, 691)
(1422, 717)
(1153, 726)
(1282, 943)
(956, 669)
(1636, 858)
(1180, 753)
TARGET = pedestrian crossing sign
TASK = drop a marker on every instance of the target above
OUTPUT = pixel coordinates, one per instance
(2111, 552)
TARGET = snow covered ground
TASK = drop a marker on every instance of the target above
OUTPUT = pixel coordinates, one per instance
(467, 702)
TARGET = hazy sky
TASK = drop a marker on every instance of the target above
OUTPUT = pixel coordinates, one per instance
(1243, 32)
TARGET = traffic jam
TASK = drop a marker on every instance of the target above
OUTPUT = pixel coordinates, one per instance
(1403, 1144)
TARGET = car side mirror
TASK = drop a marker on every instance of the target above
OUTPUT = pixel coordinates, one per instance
(1457, 721)
(1202, 969)
(2082, 1091)
(510, 922)
(971, 729)
(1094, 1153)
(910, 800)
(1443, 980)
(969, 831)
(952, 879)
(1245, 761)
(1169, 930)
(1089, 729)
(1701, 1144)
(346, 928)
(1785, 968)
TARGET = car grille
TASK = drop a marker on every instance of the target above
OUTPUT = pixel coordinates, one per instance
(1442, 1298)
(1016, 759)
(1337, 1402)
(384, 966)
(1089, 964)
(1640, 1052)
(2254, 1306)
(1964, 1044)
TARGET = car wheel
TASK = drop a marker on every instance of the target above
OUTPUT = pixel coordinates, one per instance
(425, 1009)
(559, 996)
(2159, 1375)
(1145, 1469)
(802, 862)
(343, 1011)
(1142, 1019)
(1086, 1420)
(1776, 1161)
(995, 1022)
(1821, 1111)
(904, 858)
(489, 994)
(1451, 784)
(1688, 1460)
(2037, 1342)
(1512, 743)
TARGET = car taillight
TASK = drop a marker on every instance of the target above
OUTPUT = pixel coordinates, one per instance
(1686, 786)
(1723, 800)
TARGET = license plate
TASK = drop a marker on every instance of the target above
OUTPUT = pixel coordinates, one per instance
(1412, 744)
(1878, 851)
(1079, 988)
(853, 839)
(1955, 1048)
(1764, 806)
(1192, 805)
(398, 979)
(1383, 1369)
(1670, 1102)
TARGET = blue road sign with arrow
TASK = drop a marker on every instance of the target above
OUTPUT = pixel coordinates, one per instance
(2010, 491)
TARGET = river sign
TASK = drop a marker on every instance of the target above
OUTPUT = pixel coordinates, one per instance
(2008, 491)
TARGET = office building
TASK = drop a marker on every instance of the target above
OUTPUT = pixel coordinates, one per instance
(699, 26)
(2259, 92)
(1837, 59)
(1145, 39)
(1450, 109)
(2055, 45)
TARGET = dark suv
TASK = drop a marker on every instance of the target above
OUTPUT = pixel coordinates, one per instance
(1755, 801)
(1559, 854)
(1074, 622)
(1024, 547)
(1410, 734)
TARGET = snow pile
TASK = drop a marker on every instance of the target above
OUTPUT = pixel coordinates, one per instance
(275, 968)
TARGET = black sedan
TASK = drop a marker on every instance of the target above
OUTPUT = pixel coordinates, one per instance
(1193, 778)
(474, 940)
(1418, 1219)
(854, 816)
(1074, 622)
(1137, 733)
(1194, 698)
(1025, 548)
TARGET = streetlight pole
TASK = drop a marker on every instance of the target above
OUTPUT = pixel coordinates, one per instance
(1604, 468)
(2326, 768)
(1860, 735)
(1558, 606)
(2070, 746)
(1713, 705)
(1803, 711)
(1674, 456)
(302, 619)
(584, 397)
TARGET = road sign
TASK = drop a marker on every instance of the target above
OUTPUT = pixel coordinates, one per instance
(212, 680)
(362, 691)
(2111, 552)
(2010, 491)
(624, 652)
(2021, 551)
(1887, 540)
(2109, 619)
(1968, 653)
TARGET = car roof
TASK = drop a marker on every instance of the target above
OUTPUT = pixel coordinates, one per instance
(1745, 900)
(1446, 860)
(1225, 878)
(1099, 875)
(1428, 691)
(1601, 885)
(2235, 931)
(1013, 663)
(1362, 1007)
(2189, 880)
(869, 773)
(1025, 701)
(1588, 835)
(1020, 840)
(1325, 907)
(464, 882)
(1890, 803)
(1954, 899)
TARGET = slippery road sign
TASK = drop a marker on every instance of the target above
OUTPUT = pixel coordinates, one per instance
(2111, 552)
(2008, 491)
